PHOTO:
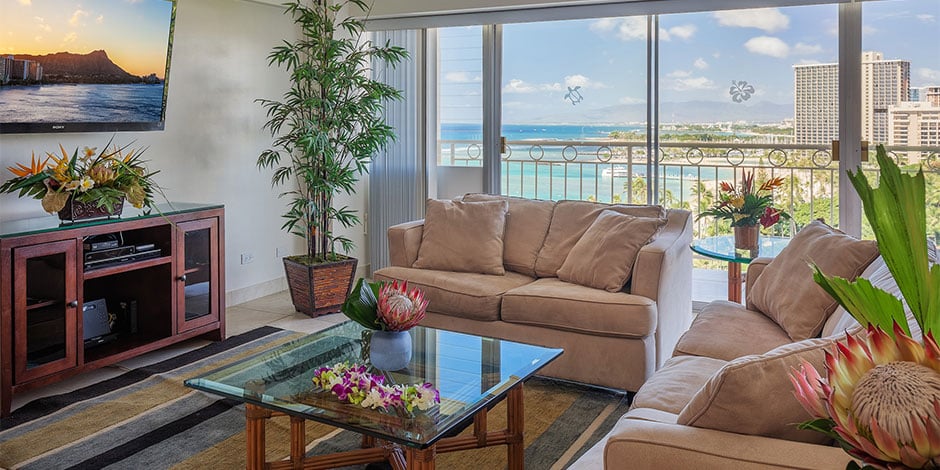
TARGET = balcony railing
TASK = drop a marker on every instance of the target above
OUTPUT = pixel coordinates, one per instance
(689, 173)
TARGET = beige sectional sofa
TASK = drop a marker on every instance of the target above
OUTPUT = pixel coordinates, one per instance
(724, 400)
(614, 339)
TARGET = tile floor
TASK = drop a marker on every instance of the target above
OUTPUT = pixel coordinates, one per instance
(276, 310)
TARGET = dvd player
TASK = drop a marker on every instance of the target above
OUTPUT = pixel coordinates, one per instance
(122, 259)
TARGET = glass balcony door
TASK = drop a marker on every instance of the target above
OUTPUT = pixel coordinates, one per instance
(900, 91)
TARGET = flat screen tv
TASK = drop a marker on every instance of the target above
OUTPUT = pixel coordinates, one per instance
(89, 66)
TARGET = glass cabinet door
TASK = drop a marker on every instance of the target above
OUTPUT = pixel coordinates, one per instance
(198, 283)
(46, 310)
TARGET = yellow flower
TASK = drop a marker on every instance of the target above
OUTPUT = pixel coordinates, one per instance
(736, 201)
(72, 185)
(738, 217)
(89, 152)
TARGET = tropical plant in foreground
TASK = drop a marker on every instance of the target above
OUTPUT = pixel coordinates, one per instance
(880, 397)
(747, 205)
(103, 178)
(387, 306)
(330, 123)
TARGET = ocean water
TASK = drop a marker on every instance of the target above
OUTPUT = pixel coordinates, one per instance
(582, 177)
(81, 103)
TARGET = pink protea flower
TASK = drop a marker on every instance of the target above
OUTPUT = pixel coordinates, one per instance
(399, 309)
(882, 396)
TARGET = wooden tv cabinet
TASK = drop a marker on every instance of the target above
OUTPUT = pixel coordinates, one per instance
(169, 288)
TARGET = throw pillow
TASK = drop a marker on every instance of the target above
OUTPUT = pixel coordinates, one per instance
(785, 290)
(570, 220)
(463, 236)
(603, 258)
(526, 226)
(753, 394)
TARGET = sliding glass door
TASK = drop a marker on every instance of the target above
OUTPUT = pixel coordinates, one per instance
(750, 91)
(710, 95)
(900, 93)
(574, 109)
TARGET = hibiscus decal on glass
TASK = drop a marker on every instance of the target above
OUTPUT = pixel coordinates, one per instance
(740, 91)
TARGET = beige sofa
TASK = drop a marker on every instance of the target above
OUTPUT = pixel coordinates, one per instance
(635, 328)
(724, 399)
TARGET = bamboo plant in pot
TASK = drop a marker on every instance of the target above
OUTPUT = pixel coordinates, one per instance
(326, 128)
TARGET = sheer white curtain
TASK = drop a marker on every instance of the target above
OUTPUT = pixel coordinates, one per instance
(398, 176)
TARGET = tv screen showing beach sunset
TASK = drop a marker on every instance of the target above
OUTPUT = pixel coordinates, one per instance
(94, 61)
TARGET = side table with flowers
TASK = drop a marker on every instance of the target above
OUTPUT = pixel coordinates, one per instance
(89, 184)
(748, 208)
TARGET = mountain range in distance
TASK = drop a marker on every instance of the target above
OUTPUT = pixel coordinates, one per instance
(677, 112)
(92, 68)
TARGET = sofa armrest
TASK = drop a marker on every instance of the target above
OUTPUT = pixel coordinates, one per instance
(403, 243)
(663, 273)
(655, 445)
(754, 270)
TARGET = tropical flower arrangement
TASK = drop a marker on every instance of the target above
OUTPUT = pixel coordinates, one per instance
(879, 396)
(103, 178)
(385, 306)
(746, 206)
(351, 383)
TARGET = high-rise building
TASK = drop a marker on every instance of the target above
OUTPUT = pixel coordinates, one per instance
(914, 124)
(816, 98)
(816, 103)
(884, 83)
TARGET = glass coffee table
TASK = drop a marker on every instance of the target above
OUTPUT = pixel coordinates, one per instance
(471, 372)
(722, 248)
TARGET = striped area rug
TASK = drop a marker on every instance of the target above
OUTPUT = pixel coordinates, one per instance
(146, 418)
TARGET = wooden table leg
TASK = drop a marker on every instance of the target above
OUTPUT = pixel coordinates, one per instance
(298, 442)
(255, 417)
(734, 282)
(420, 459)
(515, 425)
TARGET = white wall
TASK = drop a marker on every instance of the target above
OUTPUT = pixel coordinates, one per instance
(213, 136)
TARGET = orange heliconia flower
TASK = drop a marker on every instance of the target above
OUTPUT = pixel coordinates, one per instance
(35, 167)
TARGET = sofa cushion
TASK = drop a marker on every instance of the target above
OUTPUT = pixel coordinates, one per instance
(726, 330)
(673, 385)
(552, 303)
(569, 221)
(469, 295)
(785, 290)
(603, 258)
(753, 394)
(526, 226)
(463, 236)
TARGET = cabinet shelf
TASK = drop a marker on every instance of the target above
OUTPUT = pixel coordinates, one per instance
(122, 268)
(40, 304)
(44, 282)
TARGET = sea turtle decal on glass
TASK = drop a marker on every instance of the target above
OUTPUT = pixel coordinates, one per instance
(574, 95)
(740, 91)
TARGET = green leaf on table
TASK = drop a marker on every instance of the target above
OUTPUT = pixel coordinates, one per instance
(362, 303)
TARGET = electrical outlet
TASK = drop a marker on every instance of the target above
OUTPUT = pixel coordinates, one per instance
(247, 258)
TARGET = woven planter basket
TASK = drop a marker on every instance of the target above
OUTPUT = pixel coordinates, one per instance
(320, 288)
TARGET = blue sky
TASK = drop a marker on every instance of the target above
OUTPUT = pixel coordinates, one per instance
(133, 32)
(700, 55)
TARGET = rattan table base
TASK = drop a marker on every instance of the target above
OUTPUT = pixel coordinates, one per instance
(376, 450)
